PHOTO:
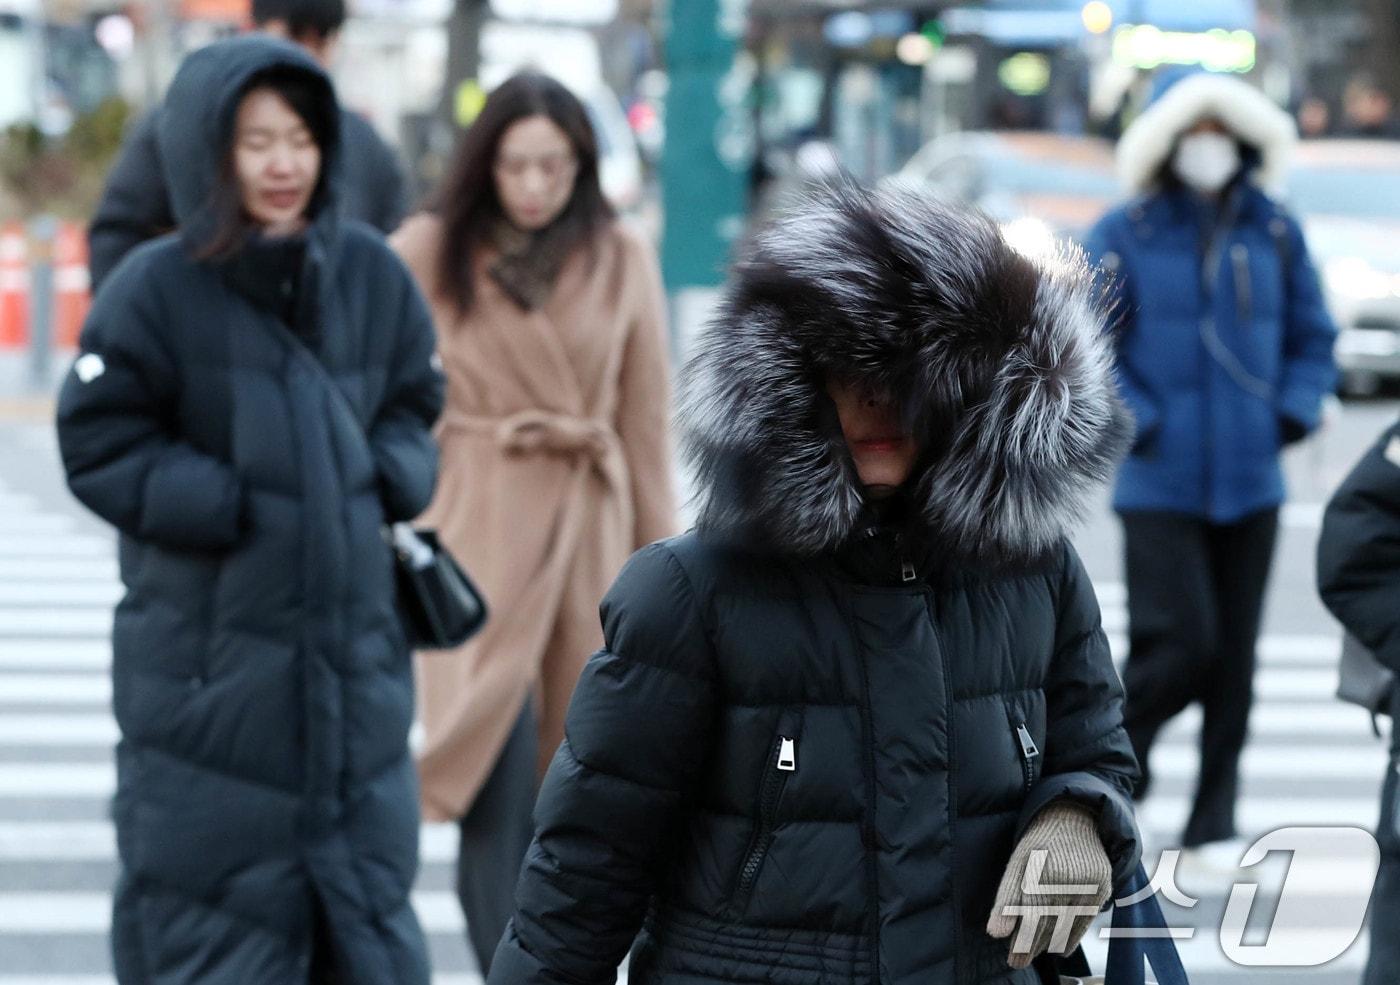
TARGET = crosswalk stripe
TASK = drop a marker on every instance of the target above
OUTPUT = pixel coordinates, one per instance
(1333, 719)
(95, 841)
(1327, 717)
(1274, 762)
(1255, 813)
(47, 841)
(1168, 762)
(98, 781)
(14, 521)
(71, 545)
(57, 779)
(1275, 649)
(59, 593)
(458, 978)
(102, 569)
(1111, 593)
(75, 621)
(56, 689)
(93, 730)
(1203, 955)
(46, 653)
(1276, 683)
(71, 912)
(1302, 516)
(1270, 683)
(1304, 652)
(13, 502)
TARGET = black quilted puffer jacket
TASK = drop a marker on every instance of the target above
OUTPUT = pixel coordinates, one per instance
(814, 733)
(261, 678)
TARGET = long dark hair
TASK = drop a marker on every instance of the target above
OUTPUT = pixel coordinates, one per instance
(309, 99)
(467, 202)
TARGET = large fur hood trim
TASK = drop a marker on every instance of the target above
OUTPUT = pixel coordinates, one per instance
(999, 361)
(1245, 111)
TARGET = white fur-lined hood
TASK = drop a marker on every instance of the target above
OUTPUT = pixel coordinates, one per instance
(1244, 110)
(999, 361)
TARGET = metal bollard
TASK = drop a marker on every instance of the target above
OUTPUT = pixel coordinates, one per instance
(42, 231)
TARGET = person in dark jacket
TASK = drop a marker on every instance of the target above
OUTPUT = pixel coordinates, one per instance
(829, 726)
(253, 401)
(1224, 353)
(1358, 576)
(136, 201)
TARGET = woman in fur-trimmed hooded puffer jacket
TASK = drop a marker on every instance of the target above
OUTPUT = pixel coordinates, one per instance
(827, 726)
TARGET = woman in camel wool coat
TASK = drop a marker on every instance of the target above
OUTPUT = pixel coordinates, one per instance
(555, 464)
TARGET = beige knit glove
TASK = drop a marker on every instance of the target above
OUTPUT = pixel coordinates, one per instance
(1057, 880)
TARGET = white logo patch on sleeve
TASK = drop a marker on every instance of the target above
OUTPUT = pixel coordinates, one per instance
(1392, 451)
(89, 367)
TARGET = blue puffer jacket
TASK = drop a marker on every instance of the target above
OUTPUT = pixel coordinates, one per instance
(1221, 360)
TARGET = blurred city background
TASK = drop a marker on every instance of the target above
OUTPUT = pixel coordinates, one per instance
(709, 114)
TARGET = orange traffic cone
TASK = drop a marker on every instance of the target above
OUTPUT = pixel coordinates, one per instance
(14, 287)
(71, 284)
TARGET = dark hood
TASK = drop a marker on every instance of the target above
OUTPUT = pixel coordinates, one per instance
(196, 126)
(999, 360)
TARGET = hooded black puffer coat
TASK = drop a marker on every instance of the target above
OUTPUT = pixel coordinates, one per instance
(262, 681)
(810, 742)
(1358, 563)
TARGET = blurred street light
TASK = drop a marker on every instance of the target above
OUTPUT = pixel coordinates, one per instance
(1146, 46)
(1097, 16)
(914, 49)
(117, 35)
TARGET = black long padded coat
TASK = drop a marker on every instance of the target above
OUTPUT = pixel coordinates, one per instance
(1358, 577)
(1358, 557)
(813, 737)
(261, 679)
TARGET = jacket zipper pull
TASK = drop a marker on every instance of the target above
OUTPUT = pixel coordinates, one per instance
(1244, 302)
(907, 572)
(787, 755)
(1028, 749)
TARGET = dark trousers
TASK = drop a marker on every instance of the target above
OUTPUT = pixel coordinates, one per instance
(1383, 964)
(1195, 598)
(496, 832)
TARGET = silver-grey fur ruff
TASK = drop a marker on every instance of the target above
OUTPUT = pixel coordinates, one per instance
(1000, 361)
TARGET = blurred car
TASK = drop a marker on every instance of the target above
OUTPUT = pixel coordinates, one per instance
(1039, 186)
(1347, 195)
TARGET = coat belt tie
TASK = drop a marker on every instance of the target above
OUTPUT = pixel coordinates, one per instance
(550, 432)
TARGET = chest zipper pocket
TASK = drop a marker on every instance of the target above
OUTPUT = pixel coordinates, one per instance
(1029, 754)
(779, 765)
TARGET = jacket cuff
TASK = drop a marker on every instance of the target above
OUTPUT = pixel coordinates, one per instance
(1300, 405)
(1113, 814)
(514, 965)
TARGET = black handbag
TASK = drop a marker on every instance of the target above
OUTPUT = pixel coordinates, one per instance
(438, 603)
(1363, 680)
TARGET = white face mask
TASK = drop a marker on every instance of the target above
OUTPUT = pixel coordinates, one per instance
(1206, 161)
